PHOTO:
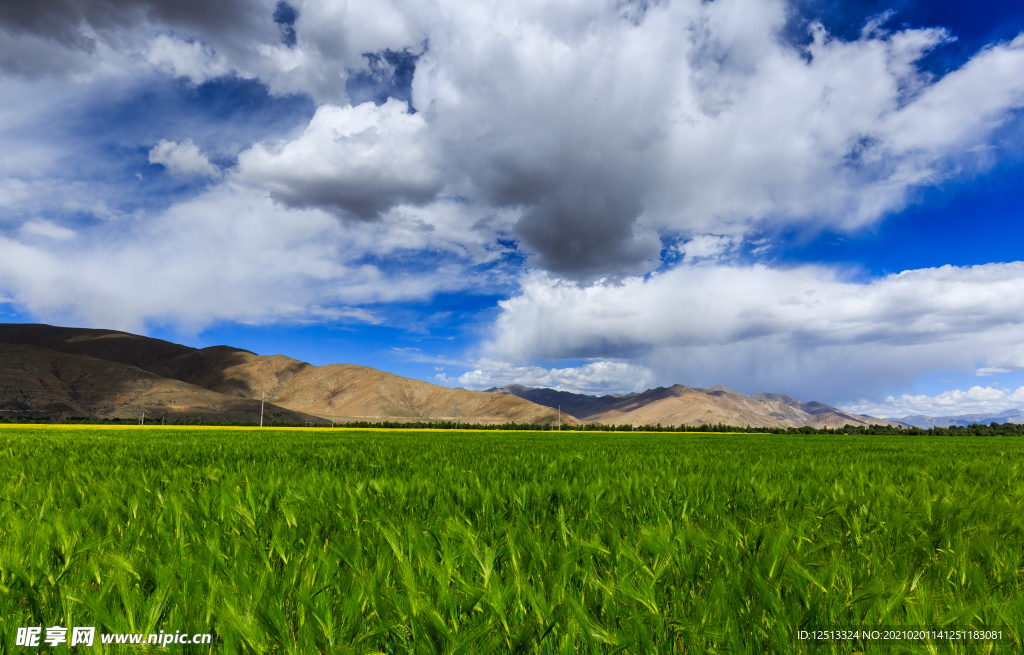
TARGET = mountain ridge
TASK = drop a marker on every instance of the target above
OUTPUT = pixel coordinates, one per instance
(39, 382)
(682, 405)
(117, 373)
(342, 392)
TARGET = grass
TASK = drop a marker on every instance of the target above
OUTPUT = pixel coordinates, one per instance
(360, 541)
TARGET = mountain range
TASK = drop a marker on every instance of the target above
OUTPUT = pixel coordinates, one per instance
(681, 405)
(63, 372)
(60, 372)
(922, 421)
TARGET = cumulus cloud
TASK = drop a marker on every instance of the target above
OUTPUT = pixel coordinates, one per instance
(698, 118)
(804, 330)
(601, 377)
(608, 127)
(359, 161)
(184, 58)
(182, 159)
(976, 400)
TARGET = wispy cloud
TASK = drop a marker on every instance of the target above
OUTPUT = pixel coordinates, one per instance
(47, 229)
(991, 370)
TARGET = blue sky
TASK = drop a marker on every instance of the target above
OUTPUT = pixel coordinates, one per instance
(813, 198)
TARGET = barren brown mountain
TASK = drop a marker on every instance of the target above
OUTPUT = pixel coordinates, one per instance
(111, 345)
(345, 391)
(75, 371)
(342, 392)
(680, 405)
(38, 382)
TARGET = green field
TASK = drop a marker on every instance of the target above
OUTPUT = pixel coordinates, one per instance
(338, 541)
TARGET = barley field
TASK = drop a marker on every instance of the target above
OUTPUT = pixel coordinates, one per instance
(390, 541)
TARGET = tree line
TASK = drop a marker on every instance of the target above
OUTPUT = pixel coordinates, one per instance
(975, 429)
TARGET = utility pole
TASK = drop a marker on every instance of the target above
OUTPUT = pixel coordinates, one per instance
(456, 408)
(559, 418)
(261, 406)
(143, 422)
(332, 420)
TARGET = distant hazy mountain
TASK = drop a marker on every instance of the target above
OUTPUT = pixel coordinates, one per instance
(62, 372)
(575, 404)
(680, 405)
(922, 421)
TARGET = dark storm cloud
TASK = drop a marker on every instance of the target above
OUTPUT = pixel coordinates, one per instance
(366, 200)
(78, 26)
(62, 19)
(588, 230)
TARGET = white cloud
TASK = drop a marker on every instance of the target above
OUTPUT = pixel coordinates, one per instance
(360, 161)
(47, 229)
(605, 128)
(698, 120)
(14, 191)
(804, 331)
(185, 58)
(229, 254)
(976, 400)
(182, 159)
(599, 377)
(335, 314)
(705, 246)
(988, 371)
